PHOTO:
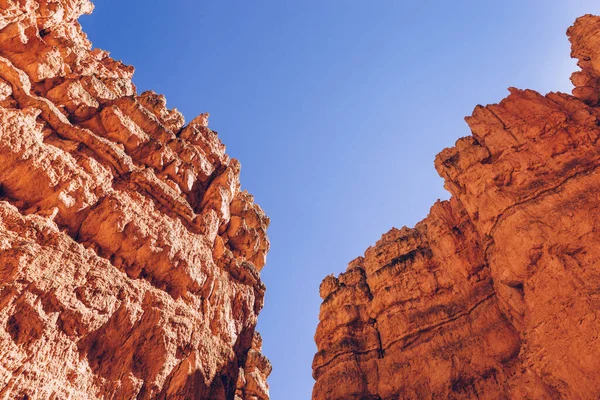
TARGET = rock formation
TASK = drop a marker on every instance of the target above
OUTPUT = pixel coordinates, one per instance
(496, 294)
(129, 255)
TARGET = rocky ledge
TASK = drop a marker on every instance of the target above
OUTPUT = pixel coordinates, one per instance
(496, 293)
(129, 255)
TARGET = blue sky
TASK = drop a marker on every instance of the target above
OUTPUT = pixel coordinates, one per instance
(336, 110)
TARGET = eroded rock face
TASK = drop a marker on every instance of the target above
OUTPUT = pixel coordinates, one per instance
(129, 255)
(496, 293)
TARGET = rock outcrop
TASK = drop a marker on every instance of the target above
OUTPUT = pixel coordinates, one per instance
(129, 255)
(496, 294)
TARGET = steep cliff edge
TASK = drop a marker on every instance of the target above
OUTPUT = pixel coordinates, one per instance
(129, 255)
(496, 293)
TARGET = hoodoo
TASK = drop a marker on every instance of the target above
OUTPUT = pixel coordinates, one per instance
(129, 255)
(496, 293)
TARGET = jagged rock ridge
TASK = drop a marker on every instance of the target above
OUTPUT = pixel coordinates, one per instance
(129, 255)
(496, 293)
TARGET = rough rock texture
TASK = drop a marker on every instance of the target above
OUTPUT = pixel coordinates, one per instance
(129, 256)
(496, 294)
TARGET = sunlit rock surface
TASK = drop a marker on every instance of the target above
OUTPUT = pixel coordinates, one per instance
(129, 255)
(496, 294)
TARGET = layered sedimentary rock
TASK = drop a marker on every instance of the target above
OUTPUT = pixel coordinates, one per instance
(496, 294)
(129, 255)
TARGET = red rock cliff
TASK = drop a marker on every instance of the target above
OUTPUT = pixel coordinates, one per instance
(496, 293)
(129, 256)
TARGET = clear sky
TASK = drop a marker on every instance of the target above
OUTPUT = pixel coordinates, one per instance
(336, 110)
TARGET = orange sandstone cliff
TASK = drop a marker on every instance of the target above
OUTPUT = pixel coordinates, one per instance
(129, 256)
(496, 294)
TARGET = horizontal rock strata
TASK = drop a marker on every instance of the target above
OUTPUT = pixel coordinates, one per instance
(495, 294)
(129, 255)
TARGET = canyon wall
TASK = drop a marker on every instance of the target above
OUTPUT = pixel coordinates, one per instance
(495, 294)
(129, 255)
